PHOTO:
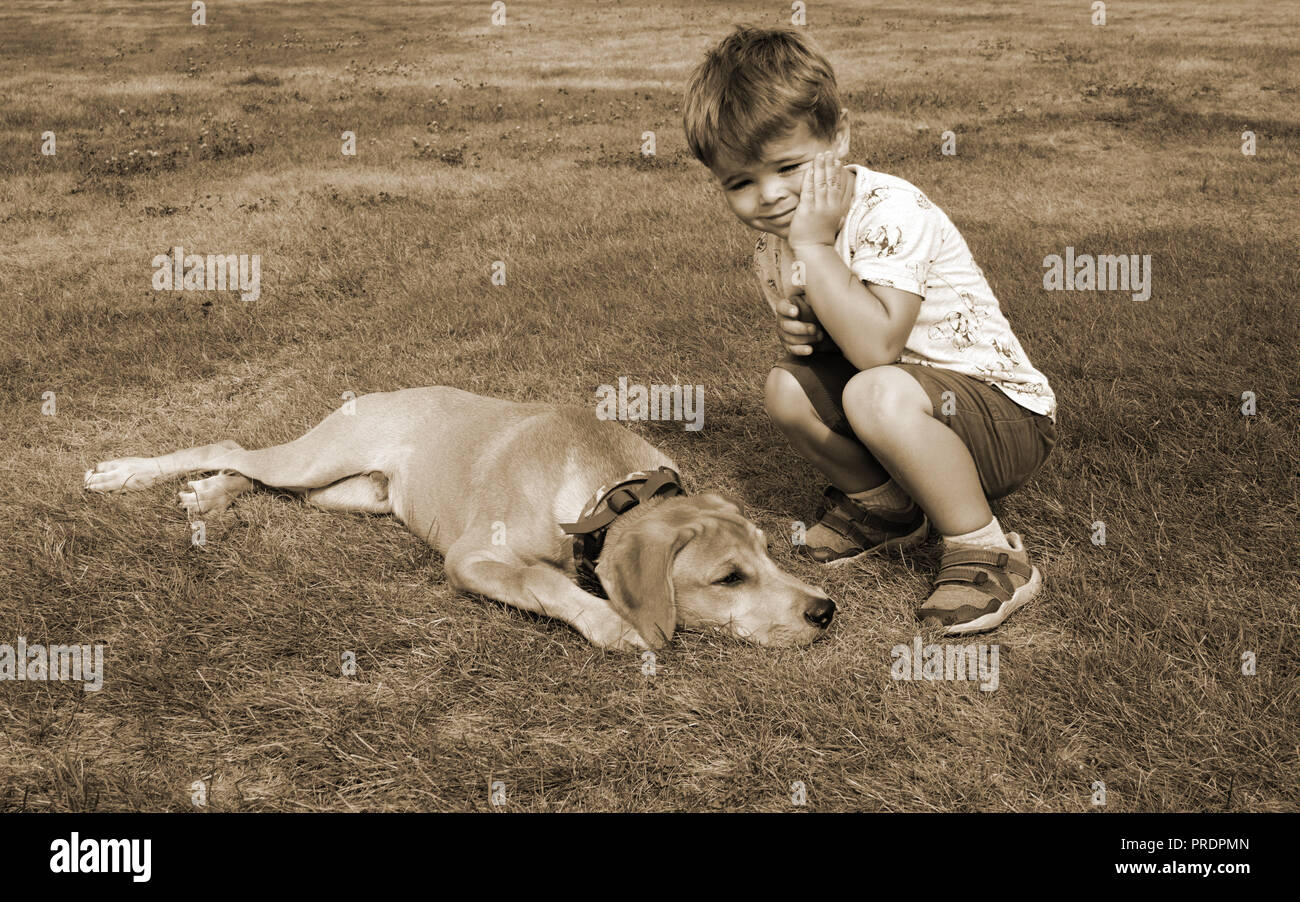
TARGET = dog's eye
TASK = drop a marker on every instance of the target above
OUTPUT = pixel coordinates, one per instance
(734, 576)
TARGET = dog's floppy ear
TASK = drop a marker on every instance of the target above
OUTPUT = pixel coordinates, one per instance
(637, 574)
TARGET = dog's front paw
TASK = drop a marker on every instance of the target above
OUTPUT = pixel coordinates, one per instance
(612, 633)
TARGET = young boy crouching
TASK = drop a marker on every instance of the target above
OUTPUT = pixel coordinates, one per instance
(902, 381)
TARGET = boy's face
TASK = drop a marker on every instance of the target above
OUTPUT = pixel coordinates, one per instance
(764, 193)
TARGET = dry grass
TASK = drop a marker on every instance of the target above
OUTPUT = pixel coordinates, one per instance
(520, 144)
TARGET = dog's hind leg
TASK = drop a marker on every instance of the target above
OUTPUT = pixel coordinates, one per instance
(367, 493)
(130, 474)
(214, 494)
(341, 445)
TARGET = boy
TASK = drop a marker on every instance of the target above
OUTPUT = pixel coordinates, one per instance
(902, 381)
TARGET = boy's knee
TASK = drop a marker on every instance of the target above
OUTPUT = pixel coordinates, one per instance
(882, 395)
(786, 402)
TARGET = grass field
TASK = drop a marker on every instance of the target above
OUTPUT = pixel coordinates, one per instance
(478, 143)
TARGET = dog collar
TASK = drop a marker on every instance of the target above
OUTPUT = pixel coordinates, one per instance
(605, 507)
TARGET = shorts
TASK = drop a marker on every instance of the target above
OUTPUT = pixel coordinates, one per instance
(1007, 442)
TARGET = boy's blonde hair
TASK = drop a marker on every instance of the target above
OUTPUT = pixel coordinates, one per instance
(754, 86)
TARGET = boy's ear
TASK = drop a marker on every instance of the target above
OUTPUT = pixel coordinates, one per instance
(842, 135)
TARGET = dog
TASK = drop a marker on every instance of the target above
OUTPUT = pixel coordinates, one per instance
(488, 483)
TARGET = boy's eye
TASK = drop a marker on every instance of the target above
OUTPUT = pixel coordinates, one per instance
(785, 170)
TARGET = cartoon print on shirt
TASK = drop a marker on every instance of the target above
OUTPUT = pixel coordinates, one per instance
(920, 272)
(872, 198)
(886, 245)
(956, 327)
(1009, 386)
(1001, 368)
(1007, 352)
(960, 328)
(1002, 371)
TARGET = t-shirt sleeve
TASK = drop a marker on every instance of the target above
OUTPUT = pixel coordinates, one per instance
(897, 241)
(766, 272)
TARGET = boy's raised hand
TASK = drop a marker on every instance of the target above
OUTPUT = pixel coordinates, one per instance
(797, 326)
(824, 201)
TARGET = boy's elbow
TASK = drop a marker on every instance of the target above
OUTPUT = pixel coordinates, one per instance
(865, 354)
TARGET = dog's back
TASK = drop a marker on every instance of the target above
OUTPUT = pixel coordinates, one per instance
(473, 461)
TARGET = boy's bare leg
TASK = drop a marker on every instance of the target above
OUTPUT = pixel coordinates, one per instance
(892, 414)
(877, 515)
(848, 465)
(984, 574)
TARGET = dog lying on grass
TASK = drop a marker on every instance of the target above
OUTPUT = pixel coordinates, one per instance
(514, 497)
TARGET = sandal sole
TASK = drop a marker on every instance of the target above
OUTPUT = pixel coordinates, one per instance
(993, 619)
(902, 543)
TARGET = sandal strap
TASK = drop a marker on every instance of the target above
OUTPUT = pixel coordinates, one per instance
(841, 514)
(830, 501)
(995, 583)
(995, 558)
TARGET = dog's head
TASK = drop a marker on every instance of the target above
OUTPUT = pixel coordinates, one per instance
(697, 562)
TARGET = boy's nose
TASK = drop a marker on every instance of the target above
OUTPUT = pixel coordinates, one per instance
(775, 196)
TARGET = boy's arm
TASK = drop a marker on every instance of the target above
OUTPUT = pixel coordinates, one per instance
(869, 322)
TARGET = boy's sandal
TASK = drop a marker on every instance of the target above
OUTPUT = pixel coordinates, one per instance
(866, 530)
(978, 588)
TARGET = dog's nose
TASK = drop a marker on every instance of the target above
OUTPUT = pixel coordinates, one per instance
(819, 613)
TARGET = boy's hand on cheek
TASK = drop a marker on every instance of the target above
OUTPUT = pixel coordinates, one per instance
(824, 201)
